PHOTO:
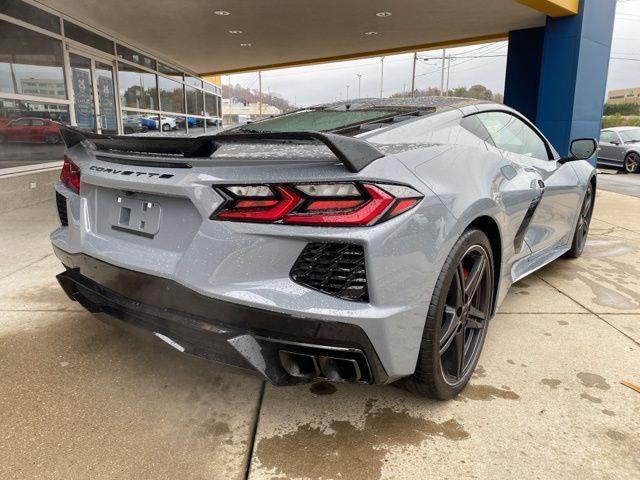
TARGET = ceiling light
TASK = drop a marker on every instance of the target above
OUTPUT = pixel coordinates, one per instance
(222, 13)
(383, 14)
(245, 44)
(235, 32)
(371, 33)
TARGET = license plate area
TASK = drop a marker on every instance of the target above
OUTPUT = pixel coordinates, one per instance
(137, 216)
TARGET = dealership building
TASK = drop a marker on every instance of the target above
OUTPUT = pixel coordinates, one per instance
(54, 66)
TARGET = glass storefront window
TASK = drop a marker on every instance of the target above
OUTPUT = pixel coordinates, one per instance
(193, 81)
(211, 104)
(137, 88)
(30, 14)
(106, 97)
(131, 55)
(87, 37)
(194, 101)
(134, 123)
(170, 72)
(30, 63)
(171, 95)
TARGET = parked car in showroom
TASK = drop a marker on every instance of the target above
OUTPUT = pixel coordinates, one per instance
(368, 241)
(619, 147)
(30, 129)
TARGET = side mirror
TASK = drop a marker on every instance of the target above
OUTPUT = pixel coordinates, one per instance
(580, 149)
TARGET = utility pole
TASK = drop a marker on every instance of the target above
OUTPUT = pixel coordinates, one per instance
(404, 88)
(260, 88)
(347, 93)
(444, 52)
(359, 78)
(448, 70)
(381, 75)
(413, 74)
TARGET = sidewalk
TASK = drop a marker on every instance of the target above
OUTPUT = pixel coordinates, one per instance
(82, 399)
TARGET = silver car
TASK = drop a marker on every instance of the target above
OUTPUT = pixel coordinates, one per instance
(368, 241)
(620, 148)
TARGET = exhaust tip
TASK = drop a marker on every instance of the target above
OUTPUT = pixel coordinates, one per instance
(340, 369)
(299, 364)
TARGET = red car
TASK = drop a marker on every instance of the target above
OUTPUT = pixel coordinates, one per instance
(28, 129)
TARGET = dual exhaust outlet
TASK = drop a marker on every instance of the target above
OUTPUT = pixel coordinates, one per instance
(309, 366)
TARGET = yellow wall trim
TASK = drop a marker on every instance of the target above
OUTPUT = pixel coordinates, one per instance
(553, 8)
(351, 56)
(215, 79)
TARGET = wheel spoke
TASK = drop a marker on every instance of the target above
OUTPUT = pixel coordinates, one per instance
(459, 280)
(449, 328)
(475, 312)
(474, 278)
(460, 351)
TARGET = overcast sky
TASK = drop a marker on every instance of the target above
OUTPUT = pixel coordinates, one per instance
(328, 82)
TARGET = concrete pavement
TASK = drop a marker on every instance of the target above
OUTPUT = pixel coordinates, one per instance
(83, 399)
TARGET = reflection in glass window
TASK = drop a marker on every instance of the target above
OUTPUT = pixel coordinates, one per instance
(30, 14)
(137, 88)
(513, 135)
(13, 109)
(171, 95)
(133, 122)
(170, 72)
(82, 35)
(211, 104)
(135, 57)
(194, 101)
(30, 63)
(193, 81)
(82, 91)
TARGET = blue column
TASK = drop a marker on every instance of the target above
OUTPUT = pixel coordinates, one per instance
(567, 67)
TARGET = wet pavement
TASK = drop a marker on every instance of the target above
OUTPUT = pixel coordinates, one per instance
(80, 398)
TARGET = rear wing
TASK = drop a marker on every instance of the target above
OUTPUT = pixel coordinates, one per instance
(353, 153)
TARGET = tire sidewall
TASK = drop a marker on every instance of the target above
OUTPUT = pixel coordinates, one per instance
(434, 317)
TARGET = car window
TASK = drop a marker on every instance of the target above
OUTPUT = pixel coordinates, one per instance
(22, 122)
(608, 136)
(630, 136)
(473, 124)
(37, 123)
(513, 135)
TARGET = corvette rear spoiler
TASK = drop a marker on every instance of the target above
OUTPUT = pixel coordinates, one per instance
(353, 153)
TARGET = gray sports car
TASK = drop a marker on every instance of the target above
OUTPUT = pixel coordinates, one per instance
(620, 147)
(368, 241)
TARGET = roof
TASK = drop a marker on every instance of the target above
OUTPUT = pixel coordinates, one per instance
(620, 129)
(419, 103)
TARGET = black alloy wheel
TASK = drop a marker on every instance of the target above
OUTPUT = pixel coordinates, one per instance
(631, 162)
(582, 227)
(466, 314)
(457, 320)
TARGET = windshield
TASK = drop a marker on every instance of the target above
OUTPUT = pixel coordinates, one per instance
(315, 120)
(631, 135)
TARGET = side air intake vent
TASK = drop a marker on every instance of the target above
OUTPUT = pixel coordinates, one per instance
(334, 268)
(61, 204)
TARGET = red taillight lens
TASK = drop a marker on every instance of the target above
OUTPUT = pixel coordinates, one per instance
(333, 204)
(70, 175)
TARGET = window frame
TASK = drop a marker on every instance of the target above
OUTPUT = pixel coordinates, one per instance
(550, 156)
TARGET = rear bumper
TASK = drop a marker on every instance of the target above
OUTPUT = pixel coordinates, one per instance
(285, 349)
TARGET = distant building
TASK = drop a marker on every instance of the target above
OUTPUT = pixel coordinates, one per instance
(624, 95)
(234, 111)
(43, 87)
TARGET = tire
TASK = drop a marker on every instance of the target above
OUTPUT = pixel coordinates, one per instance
(166, 127)
(3, 138)
(128, 130)
(582, 226)
(434, 377)
(631, 163)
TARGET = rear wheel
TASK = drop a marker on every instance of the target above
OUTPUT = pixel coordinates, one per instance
(582, 227)
(52, 138)
(3, 138)
(457, 319)
(166, 127)
(631, 163)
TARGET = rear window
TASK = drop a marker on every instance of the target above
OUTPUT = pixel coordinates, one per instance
(315, 120)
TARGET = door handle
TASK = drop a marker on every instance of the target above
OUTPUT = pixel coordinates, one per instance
(541, 185)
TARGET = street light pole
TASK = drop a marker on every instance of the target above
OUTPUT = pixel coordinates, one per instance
(347, 93)
(359, 78)
(260, 88)
(413, 74)
(381, 75)
(444, 52)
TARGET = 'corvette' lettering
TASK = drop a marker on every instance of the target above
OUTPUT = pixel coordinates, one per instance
(130, 172)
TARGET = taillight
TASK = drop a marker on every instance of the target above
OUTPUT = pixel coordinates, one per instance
(70, 175)
(332, 204)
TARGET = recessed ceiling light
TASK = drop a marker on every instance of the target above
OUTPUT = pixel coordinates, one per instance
(235, 32)
(245, 44)
(371, 33)
(383, 14)
(222, 13)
